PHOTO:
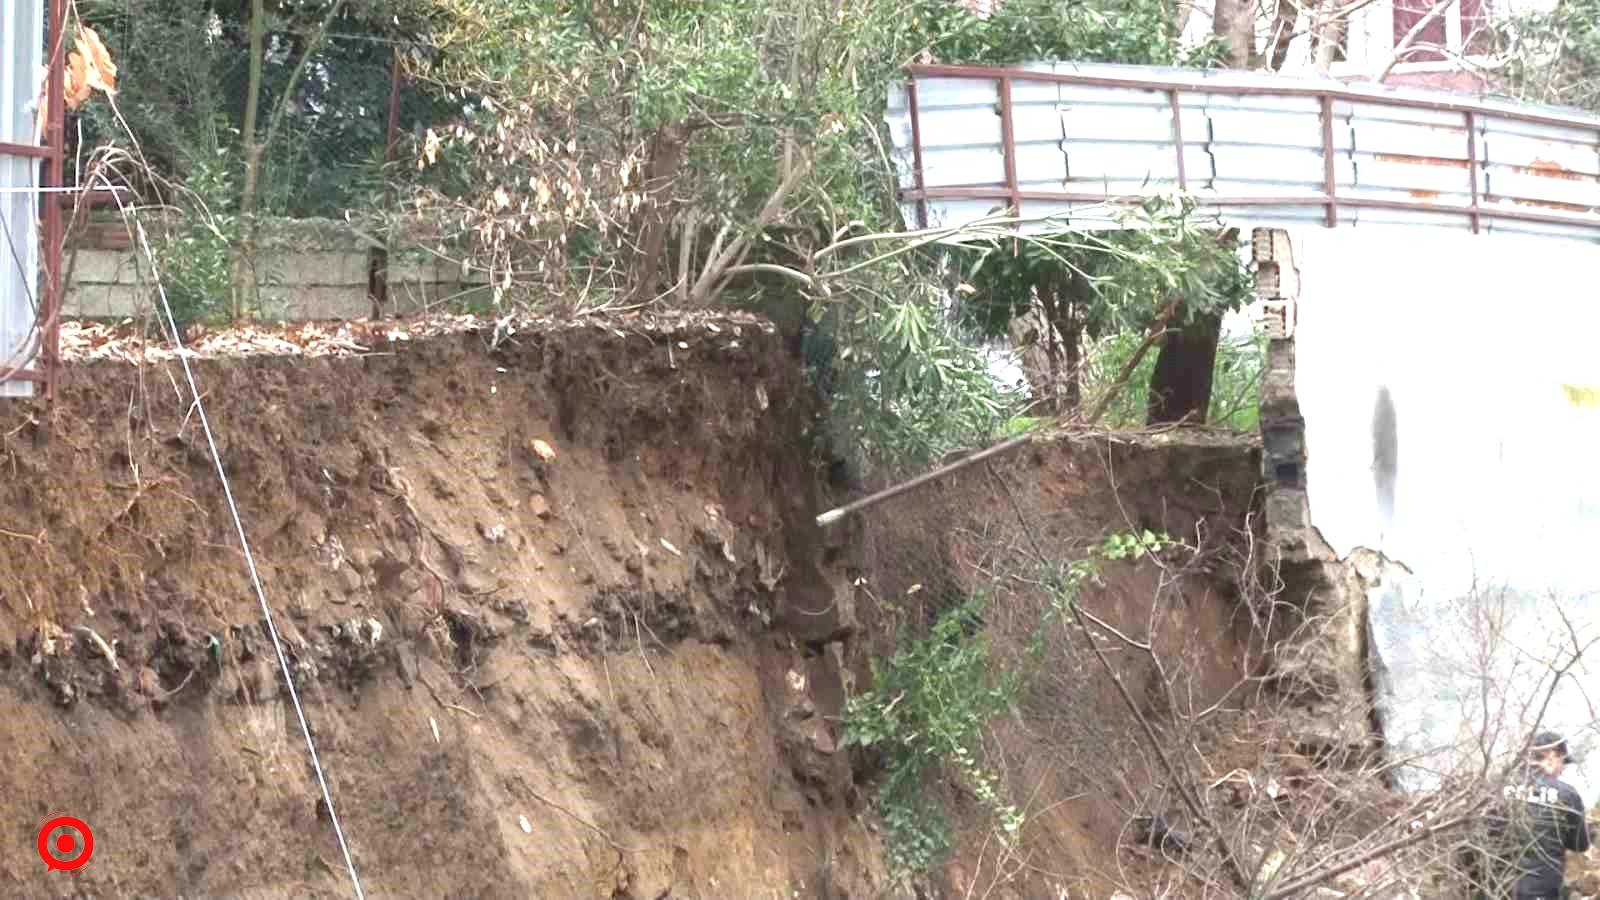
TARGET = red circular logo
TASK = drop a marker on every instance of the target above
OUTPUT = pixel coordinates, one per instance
(70, 853)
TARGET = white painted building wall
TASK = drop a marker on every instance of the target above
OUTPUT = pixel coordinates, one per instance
(1486, 345)
(1370, 40)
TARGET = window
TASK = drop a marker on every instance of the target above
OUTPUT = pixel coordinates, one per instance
(1462, 28)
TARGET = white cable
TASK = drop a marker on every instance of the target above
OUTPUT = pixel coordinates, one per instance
(255, 578)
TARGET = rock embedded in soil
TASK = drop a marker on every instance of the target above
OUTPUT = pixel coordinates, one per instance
(539, 506)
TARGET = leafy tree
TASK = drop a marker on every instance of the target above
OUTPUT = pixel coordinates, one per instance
(1089, 285)
(1553, 56)
(186, 90)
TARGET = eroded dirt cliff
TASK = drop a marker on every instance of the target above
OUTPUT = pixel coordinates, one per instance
(533, 596)
(562, 621)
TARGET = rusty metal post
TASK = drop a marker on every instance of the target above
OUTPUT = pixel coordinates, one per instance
(1008, 146)
(1472, 164)
(1177, 137)
(1328, 181)
(916, 151)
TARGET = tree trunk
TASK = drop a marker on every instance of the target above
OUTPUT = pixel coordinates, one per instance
(244, 269)
(1180, 387)
(665, 157)
(244, 272)
(1065, 342)
(1233, 21)
(1072, 341)
(1052, 349)
(1027, 333)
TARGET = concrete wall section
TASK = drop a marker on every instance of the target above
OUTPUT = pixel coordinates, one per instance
(306, 270)
(1451, 399)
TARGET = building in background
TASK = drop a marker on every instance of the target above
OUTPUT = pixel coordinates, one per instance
(1453, 49)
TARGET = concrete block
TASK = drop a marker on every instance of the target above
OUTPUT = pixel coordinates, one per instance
(419, 270)
(92, 266)
(101, 301)
(314, 302)
(339, 268)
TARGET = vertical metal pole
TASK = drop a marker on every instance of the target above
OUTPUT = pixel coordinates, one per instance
(1327, 160)
(1008, 144)
(1472, 165)
(54, 177)
(916, 151)
(1177, 137)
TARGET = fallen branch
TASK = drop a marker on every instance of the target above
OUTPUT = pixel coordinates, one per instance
(1235, 871)
(1382, 850)
(581, 821)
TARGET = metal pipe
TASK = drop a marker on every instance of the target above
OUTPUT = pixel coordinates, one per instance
(35, 151)
(916, 149)
(834, 515)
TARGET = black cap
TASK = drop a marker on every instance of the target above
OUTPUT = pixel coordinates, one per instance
(1545, 741)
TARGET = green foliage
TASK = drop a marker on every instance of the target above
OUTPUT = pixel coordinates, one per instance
(1163, 251)
(930, 703)
(1235, 381)
(907, 384)
(1139, 32)
(1553, 56)
(183, 74)
(927, 709)
(195, 256)
(1019, 425)
(1135, 544)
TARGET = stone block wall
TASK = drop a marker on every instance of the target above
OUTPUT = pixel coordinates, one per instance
(306, 270)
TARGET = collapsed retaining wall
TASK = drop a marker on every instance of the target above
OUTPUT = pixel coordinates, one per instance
(1429, 419)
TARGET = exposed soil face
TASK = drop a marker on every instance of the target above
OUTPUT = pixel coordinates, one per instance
(1071, 753)
(559, 615)
(527, 676)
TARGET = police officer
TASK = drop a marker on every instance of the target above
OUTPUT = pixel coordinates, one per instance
(1540, 821)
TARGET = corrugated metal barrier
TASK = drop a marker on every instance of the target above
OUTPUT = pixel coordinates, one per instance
(1063, 142)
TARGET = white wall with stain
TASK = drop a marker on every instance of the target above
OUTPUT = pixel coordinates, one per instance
(1486, 346)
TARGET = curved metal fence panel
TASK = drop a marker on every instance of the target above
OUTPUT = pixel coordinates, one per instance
(1064, 143)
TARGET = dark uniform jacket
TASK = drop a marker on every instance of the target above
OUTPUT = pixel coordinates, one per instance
(1538, 822)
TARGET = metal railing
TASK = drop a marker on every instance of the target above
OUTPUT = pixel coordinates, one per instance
(1480, 207)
